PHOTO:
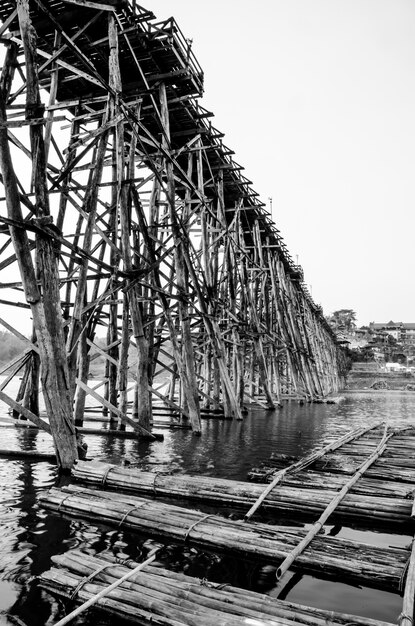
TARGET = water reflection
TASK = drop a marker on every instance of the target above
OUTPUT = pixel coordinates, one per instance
(29, 537)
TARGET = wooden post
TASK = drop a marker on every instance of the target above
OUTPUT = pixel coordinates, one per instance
(44, 302)
(83, 371)
(90, 207)
(189, 380)
(143, 397)
(123, 365)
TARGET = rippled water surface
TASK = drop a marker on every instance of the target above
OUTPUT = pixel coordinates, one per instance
(29, 536)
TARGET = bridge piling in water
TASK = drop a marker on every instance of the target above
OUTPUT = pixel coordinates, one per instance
(152, 233)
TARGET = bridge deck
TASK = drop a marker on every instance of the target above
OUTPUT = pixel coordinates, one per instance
(149, 51)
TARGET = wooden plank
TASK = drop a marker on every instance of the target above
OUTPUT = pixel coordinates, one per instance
(124, 418)
(28, 455)
(19, 408)
(99, 6)
(6, 23)
(34, 122)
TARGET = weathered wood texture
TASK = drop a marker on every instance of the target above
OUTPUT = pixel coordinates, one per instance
(294, 491)
(327, 556)
(144, 228)
(393, 471)
(369, 507)
(158, 596)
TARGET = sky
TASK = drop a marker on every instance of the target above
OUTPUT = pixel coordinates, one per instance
(317, 99)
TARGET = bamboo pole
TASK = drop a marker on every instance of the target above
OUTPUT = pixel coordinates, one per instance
(317, 526)
(81, 609)
(184, 593)
(377, 566)
(378, 505)
(135, 425)
(304, 463)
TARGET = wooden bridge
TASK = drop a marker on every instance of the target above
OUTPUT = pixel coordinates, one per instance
(126, 213)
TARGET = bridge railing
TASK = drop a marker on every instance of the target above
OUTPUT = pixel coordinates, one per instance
(182, 48)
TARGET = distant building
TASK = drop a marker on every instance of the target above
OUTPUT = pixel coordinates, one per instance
(403, 332)
(408, 334)
(391, 328)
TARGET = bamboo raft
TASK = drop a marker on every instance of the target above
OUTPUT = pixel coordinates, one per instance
(158, 596)
(293, 491)
(396, 465)
(377, 506)
(352, 495)
(327, 556)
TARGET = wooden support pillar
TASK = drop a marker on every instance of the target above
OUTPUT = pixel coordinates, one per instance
(52, 98)
(290, 365)
(112, 330)
(220, 213)
(189, 380)
(44, 302)
(257, 304)
(90, 207)
(123, 365)
(83, 371)
(143, 396)
(31, 394)
(148, 292)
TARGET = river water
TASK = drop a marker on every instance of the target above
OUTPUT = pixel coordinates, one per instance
(29, 536)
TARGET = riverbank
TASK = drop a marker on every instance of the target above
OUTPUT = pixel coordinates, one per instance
(394, 381)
